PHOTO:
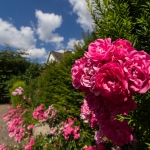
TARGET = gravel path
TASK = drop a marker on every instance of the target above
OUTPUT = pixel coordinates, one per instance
(4, 138)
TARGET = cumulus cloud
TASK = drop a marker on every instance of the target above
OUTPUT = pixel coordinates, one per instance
(72, 42)
(37, 53)
(9, 34)
(84, 17)
(47, 24)
(20, 39)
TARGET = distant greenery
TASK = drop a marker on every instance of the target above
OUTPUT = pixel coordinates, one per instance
(11, 64)
(14, 67)
(127, 19)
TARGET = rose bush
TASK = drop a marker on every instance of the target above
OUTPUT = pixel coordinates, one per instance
(109, 74)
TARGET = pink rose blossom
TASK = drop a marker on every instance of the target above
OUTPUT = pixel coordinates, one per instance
(90, 148)
(50, 113)
(137, 69)
(53, 130)
(9, 107)
(3, 147)
(94, 102)
(30, 127)
(76, 136)
(88, 78)
(18, 138)
(85, 112)
(122, 107)
(14, 93)
(70, 131)
(111, 81)
(101, 146)
(24, 97)
(98, 137)
(77, 71)
(121, 43)
(31, 143)
(39, 113)
(117, 148)
(93, 121)
(28, 147)
(100, 50)
(118, 132)
(123, 49)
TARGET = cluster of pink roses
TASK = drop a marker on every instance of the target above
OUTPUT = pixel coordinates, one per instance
(110, 73)
(30, 145)
(40, 114)
(69, 130)
(3, 147)
(30, 127)
(89, 148)
(87, 115)
(15, 123)
(18, 91)
(16, 127)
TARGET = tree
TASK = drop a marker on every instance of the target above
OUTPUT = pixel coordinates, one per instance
(11, 63)
(127, 19)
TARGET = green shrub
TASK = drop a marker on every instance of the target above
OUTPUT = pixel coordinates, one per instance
(55, 83)
(17, 100)
(11, 64)
(140, 119)
(32, 92)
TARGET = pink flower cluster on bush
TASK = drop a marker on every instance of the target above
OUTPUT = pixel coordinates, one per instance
(3, 147)
(110, 73)
(31, 143)
(88, 116)
(69, 130)
(89, 148)
(40, 114)
(31, 126)
(15, 124)
(18, 91)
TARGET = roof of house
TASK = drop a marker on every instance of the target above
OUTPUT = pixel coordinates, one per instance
(58, 56)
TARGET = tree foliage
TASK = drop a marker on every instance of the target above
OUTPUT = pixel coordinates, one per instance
(11, 63)
(127, 19)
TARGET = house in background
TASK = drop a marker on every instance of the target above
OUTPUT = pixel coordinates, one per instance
(55, 56)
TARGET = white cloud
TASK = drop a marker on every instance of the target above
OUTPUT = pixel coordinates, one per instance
(84, 17)
(37, 53)
(47, 24)
(72, 42)
(60, 51)
(20, 39)
(9, 34)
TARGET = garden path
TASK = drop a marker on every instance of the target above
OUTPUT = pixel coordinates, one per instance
(4, 138)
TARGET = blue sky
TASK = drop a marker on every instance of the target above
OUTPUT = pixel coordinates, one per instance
(39, 26)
